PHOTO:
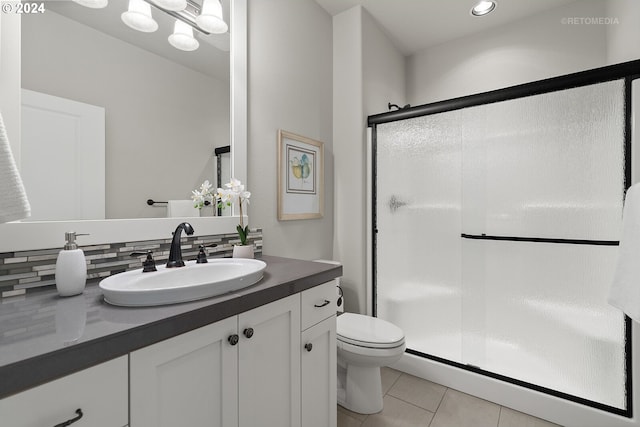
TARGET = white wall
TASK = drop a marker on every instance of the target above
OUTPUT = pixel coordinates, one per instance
(163, 120)
(368, 73)
(623, 36)
(383, 69)
(289, 88)
(349, 243)
(529, 49)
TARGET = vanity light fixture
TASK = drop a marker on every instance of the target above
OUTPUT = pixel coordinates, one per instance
(182, 37)
(138, 16)
(189, 15)
(93, 4)
(483, 7)
(174, 5)
(210, 18)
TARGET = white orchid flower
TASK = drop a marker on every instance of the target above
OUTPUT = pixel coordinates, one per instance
(205, 188)
(202, 195)
(224, 196)
(235, 185)
(198, 199)
(234, 192)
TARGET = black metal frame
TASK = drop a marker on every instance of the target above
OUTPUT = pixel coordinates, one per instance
(628, 71)
(219, 152)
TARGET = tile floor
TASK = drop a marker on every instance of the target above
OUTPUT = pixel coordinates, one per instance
(413, 402)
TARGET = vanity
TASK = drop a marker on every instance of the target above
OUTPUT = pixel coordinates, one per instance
(265, 355)
(262, 356)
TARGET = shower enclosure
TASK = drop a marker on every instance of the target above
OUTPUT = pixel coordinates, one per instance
(496, 222)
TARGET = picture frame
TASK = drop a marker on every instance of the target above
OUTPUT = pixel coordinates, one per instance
(300, 177)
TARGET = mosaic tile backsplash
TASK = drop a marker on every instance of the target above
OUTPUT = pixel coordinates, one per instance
(26, 271)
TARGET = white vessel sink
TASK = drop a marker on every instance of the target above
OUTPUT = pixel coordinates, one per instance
(188, 283)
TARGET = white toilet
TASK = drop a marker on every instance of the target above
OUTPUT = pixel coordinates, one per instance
(365, 344)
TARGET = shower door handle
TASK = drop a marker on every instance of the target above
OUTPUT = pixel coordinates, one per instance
(395, 203)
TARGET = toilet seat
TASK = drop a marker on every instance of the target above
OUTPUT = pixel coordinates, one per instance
(367, 331)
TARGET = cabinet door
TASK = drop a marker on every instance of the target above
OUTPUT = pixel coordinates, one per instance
(318, 372)
(189, 380)
(99, 392)
(269, 364)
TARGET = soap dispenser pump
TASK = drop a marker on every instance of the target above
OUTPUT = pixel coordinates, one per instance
(71, 267)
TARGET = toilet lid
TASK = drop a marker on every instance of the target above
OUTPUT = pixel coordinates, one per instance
(367, 331)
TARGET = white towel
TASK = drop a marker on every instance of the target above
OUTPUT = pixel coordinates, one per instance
(625, 290)
(181, 208)
(13, 199)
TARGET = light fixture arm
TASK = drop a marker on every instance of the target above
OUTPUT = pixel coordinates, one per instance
(188, 15)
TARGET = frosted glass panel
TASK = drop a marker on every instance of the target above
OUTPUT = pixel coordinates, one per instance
(418, 240)
(545, 166)
(537, 312)
(548, 165)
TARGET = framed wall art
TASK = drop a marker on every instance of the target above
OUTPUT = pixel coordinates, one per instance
(300, 177)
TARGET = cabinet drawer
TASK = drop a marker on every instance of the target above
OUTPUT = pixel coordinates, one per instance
(318, 303)
(101, 392)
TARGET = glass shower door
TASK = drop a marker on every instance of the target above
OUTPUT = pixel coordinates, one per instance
(418, 241)
(496, 238)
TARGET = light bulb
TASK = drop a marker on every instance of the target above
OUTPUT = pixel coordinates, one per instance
(182, 37)
(210, 18)
(139, 16)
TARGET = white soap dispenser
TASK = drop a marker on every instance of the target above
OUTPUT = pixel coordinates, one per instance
(71, 267)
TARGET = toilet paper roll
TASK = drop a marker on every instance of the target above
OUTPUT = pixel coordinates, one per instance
(340, 308)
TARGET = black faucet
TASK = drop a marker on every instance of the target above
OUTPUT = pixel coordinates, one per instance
(175, 255)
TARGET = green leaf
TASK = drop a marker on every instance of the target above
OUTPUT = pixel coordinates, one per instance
(242, 233)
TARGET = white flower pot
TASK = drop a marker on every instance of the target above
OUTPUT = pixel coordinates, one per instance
(207, 211)
(240, 251)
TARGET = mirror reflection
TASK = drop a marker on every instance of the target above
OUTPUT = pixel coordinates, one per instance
(112, 117)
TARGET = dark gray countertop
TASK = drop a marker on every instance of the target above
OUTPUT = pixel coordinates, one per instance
(44, 336)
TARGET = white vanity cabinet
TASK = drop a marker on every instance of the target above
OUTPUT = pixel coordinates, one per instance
(187, 380)
(269, 364)
(274, 365)
(100, 394)
(318, 358)
(319, 375)
(241, 371)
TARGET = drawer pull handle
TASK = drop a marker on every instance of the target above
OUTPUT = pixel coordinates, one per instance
(308, 346)
(325, 303)
(72, 420)
(233, 339)
(248, 332)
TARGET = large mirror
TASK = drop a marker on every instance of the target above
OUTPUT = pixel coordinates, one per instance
(112, 117)
(21, 235)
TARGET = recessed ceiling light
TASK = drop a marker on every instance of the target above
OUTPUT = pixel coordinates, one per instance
(483, 7)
